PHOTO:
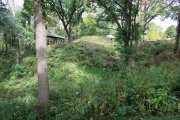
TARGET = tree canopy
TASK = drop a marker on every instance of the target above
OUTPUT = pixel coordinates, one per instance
(171, 31)
(69, 12)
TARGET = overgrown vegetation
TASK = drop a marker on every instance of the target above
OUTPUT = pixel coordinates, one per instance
(88, 80)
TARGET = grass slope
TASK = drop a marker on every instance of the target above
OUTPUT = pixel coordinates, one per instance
(88, 80)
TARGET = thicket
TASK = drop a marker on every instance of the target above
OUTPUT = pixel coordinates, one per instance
(88, 80)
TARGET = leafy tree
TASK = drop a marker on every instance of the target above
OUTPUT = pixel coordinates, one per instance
(88, 27)
(154, 32)
(170, 31)
(174, 13)
(25, 24)
(41, 57)
(69, 12)
(124, 14)
(152, 9)
(7, 27)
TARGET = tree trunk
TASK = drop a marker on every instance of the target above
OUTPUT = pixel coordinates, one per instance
(17, 49)
(144, 32)
(144, 22)
(69, 33)
(11, 5)
(127, 54)
(2, 45)
(137, 32)
(41, 58)
(137, 43)
(3, 42)
(15, 36)
(176, 47)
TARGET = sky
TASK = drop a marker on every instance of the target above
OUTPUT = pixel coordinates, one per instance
(19, 2)
(164, 24)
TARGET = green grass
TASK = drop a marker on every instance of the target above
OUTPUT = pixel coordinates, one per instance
(88, 80)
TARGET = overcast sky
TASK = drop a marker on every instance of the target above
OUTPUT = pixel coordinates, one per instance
(166, 23)
(19, 2)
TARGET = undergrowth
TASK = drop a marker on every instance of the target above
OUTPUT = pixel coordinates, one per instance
(88, 80)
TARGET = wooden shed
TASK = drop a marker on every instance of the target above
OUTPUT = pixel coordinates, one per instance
(55, 39)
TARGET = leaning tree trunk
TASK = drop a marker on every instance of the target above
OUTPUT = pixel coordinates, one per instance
(176, 47)
(41, 58)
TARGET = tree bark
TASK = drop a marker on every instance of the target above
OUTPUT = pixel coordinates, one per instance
(137, 43)
(127, 54)
(3, 42)
(17, 49)
(176, 47)
(69, 33)
(41, 57)
(2, 45)
(145, 22)
(144, 32)
(137, 35)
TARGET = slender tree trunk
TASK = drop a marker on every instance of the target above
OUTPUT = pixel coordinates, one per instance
(2, 45)
(41, 58)
(15, 36)
(70, 37)
(127, 54)
(144, 22)
(17, 49)
(137, 43)
(3, 41)
(6, 46)
(137, 33)
(176, 47)
(144, 32)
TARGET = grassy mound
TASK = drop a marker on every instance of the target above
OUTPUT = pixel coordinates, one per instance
(88, 80)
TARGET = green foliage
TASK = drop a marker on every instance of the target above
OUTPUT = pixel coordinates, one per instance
(69, 12)
(16, 110)
(88, 80)
(88, 26)
(172, 11)
(6, 22)
(154, 32)
(171, 31)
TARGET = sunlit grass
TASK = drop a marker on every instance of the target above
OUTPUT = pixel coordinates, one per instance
(100, 40)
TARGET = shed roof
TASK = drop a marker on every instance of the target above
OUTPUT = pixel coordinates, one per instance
(110, 36)
(55, 36)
